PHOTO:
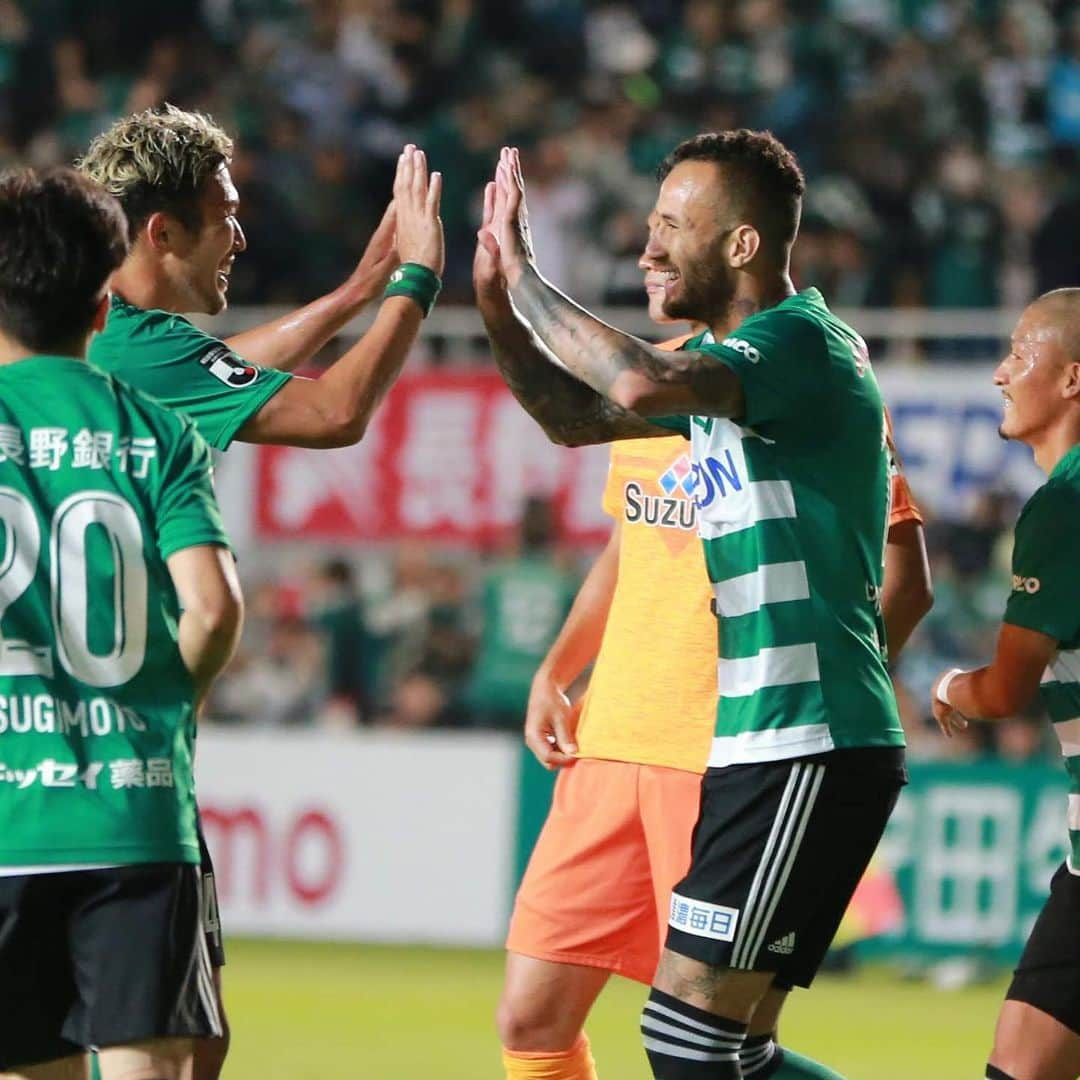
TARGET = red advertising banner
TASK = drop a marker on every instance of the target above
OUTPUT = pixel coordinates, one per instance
(449, 456)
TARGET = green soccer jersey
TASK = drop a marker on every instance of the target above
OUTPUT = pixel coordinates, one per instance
(98, 486)
(793, 504)
(169, 358)
(1046, 597)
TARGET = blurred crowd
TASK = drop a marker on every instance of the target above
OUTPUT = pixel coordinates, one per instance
(414, 637)
(941, 139)
(421, 636)
(940, 136)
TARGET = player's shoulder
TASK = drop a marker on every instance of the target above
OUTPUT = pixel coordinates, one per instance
(1054, 508)
(796, 324)
(141, 335)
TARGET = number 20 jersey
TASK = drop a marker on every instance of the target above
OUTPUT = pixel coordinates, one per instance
(98, 487)
(793, 508)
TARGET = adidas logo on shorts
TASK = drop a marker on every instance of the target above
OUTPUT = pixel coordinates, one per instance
(785, 946)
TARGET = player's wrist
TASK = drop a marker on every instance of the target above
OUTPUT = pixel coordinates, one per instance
(946, 680)
(416, 282)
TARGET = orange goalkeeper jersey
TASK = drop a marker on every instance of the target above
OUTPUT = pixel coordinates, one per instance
(652, 696)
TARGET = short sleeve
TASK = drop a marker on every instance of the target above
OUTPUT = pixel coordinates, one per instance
(902, 506)
(187, 509)
(782, 361)
(1046, 581)
(181, 366)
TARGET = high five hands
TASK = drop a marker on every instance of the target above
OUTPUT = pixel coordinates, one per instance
(504, 243)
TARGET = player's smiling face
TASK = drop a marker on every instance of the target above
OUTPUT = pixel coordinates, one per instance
(207, 263)
(686, 271)
(1032, 378)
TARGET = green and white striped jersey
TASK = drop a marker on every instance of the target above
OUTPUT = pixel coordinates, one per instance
(1046, 597)
(793, 505)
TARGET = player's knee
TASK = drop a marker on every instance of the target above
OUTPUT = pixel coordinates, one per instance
(526, 1024)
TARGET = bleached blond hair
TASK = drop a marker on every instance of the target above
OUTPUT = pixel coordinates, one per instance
(158, 160)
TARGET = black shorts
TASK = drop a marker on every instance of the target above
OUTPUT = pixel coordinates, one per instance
(93, 958)
(777, 852)
(211, 914)
(1048, 975)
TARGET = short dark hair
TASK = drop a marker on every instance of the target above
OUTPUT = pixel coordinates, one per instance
(764, 179)
(61, 236)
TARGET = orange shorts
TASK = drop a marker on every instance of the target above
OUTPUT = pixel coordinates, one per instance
(598, 885)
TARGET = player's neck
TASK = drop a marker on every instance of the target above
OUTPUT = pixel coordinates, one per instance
(1052, 445)
(752, 294)
(141, 283)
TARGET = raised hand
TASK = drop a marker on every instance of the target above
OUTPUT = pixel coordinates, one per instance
(489, 281)
(510, 216)
(416, 203)
(380, 257)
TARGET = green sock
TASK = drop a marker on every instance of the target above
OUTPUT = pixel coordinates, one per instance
(95, 1072)
(796, 1067)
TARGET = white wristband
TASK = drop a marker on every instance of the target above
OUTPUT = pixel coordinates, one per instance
(946, 682)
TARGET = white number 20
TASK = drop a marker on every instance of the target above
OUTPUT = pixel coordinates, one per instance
(69, 580)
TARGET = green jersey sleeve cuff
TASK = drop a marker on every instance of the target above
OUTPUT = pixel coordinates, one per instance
(182, 543)
(270, 382)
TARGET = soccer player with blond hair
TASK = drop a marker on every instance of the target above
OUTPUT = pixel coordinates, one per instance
(169, 169)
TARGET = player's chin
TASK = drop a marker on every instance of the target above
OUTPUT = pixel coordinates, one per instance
(217, 302)
(656, 307)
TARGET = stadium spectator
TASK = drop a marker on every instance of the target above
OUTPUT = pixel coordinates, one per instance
(869, 92)
(525, 599)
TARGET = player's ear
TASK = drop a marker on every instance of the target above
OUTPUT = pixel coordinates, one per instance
(743, 245)
(162, 232)
(1071, 387)
(101, 312)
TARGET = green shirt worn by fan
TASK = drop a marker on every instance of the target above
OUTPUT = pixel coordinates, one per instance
(99, 485)
(793, 508)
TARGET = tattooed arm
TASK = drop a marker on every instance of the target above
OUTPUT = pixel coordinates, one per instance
(631, 373)
(570, 412)
(626, 370)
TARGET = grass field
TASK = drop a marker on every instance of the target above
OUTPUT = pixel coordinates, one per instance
(345, 1012)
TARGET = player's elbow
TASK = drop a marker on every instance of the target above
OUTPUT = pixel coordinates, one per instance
(341, 427)
(220, 612)
(636, 392)
(562, 436)
(920, 598)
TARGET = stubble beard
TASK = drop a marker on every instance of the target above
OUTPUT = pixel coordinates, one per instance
(706, 299)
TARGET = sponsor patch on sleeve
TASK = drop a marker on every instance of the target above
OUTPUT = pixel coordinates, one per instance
(228, 368)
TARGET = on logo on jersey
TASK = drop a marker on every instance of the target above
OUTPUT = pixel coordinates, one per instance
(674, 509)
(714, 478)
(1030, 585)
(226, 366)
